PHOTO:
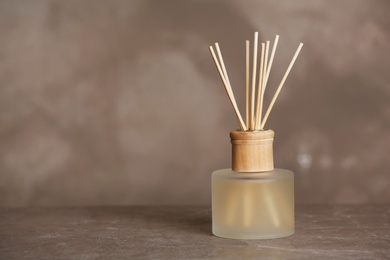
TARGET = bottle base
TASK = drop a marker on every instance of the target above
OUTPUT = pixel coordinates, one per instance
(247, 235)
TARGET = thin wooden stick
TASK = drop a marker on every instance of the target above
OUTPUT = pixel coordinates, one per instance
(247, 51)
(265, 65)
(228, 89)
(271, 59)
(269, 66)
(255, 45)
(264, 72)
(281, 85)
(222, 64)
(259, 89)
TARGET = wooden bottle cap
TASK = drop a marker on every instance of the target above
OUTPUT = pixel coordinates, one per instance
(252, 151)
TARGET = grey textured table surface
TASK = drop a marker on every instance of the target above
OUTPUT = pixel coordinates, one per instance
(341, 232)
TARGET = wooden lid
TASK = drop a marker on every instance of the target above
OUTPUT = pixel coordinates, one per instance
(252, 151)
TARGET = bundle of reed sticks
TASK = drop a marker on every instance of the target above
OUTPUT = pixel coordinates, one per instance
(254, 90)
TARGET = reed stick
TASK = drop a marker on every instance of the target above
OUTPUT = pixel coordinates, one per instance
(280, 86)
(259, 100)
(247, 52)
(222, 63)
(271, 60)
(265, 64)
(265, 79)
(228, 89)
(254, 66)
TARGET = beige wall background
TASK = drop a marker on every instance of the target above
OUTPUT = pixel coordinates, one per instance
(118, 102)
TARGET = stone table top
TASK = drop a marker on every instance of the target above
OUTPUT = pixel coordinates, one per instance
(138, 232)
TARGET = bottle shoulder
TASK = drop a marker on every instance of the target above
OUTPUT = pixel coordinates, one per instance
(277, 173)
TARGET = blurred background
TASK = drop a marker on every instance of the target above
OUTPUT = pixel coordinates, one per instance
(119, 102)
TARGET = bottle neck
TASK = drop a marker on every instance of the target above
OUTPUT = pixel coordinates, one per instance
(252, 151)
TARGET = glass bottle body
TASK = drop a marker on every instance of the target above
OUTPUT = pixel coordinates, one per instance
(256, 205)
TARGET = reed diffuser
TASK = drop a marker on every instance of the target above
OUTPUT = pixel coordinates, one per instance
(253, 200)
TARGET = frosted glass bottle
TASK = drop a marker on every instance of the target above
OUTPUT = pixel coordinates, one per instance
(252, 200)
